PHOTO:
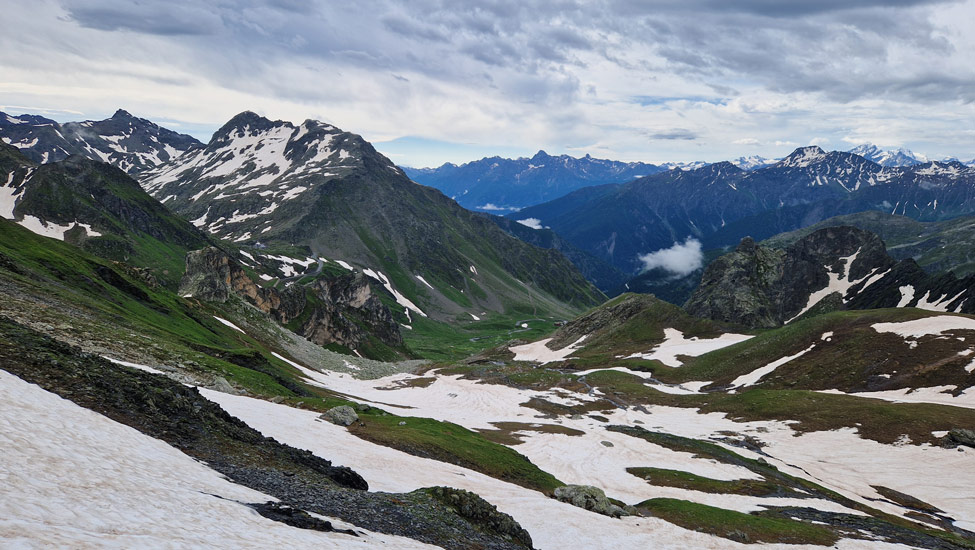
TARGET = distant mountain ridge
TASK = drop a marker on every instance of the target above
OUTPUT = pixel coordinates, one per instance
(721, 203)
(496, 184)
(130, 143)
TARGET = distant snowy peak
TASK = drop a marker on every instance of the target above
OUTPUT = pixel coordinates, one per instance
(252, 167)
(130, 143)
(686, 166)
(753, 162)
(890, 158)
(803, 157)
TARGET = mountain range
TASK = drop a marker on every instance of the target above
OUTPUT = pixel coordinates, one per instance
(279, 339)
(720, 203)
(130, 143)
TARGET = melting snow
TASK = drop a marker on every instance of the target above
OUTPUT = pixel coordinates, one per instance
(424, 281)
(540, 353)
(400, 299)
(675, 345)
(926, 326)
(73, 478)
(229, 324)
(838, 282)
(759, 373)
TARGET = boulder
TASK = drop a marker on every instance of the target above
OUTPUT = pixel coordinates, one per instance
(959, 436)
(342, 415)
(589, 498)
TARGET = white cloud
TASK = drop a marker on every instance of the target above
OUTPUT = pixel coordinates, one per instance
(534, 223)
(597, 77)
(681, 259)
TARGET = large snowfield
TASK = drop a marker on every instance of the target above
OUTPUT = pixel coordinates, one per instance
(71, 477)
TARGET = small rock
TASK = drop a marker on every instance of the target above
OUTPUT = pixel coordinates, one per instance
(342, 415)
(402, 423)
(638, 422)
(362, 407)
(606, 443)
(277, 399)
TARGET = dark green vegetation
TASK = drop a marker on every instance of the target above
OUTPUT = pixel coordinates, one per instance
(448, 442)
(179, 415)
(134, 227)
(693, 482)
(737, 526)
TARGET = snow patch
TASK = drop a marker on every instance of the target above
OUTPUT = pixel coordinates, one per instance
(759, 373)
(229, 324)
(540, 353)
(675, 344)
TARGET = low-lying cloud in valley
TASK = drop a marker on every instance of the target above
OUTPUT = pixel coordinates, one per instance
(681, 259)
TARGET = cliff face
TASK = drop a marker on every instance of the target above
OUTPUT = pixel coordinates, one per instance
(341, 310)
(763, 287)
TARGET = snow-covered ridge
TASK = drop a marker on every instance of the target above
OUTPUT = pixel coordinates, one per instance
(803, 157)
(269, 163)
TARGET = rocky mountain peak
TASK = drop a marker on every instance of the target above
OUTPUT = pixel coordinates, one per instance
(762, 287)
(122, 114)
(803, 156)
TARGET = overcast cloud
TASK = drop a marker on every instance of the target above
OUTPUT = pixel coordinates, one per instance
(634, 80)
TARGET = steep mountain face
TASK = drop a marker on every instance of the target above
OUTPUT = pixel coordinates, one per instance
(498, 184)
(265, 183)
(720, 204)
(936, 246)
(339, 310)
(98, 207)
(888, 157)
(130, 143)
(833, 268)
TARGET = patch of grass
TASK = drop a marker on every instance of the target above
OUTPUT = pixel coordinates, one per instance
(439, 341)
(737, 526)
(693, 482)
(511, 433)
(448, 442)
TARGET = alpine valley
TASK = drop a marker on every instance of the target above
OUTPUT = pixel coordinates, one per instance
(279, 338)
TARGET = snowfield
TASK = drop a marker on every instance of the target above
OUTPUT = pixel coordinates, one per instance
(675, 345)
(941, 477)
(72, 478)
(552, 524)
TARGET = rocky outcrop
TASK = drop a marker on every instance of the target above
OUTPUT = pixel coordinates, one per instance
(761, 286)
(589, 498)
(764, 287)
(341, 310)
(480, 512)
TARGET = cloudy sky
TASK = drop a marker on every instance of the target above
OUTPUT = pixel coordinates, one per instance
(431, 81)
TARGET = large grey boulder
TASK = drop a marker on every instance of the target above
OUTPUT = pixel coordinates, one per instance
(589, 498)
(342, 415)
(959, 436)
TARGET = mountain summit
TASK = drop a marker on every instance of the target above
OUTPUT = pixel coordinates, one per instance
(270, 183)
(130, 143)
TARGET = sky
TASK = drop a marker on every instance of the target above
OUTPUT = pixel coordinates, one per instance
(434, 81)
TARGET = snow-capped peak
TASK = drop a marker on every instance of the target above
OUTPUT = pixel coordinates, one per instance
(803, 156)
(889, 157)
